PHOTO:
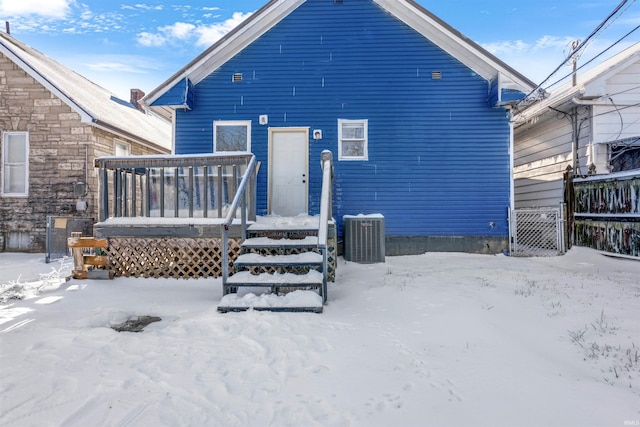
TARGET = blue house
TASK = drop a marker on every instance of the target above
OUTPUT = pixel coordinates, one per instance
(416, 115)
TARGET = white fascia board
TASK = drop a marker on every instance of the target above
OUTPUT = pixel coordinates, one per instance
(85, 116)
(454, 44)
(230, 46)
(536, 110)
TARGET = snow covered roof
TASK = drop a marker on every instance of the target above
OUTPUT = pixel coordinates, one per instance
(587, 85)
(96, 105)
(408, 11)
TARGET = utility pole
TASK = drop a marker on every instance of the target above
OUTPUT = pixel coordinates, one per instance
(574, 110)
(574, 60)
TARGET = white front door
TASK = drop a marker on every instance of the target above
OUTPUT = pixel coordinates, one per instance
(288, 171)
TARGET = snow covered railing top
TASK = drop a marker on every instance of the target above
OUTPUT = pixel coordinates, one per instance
(178, 186)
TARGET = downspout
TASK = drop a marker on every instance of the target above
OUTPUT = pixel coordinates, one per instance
(576, 137)
(512, 192)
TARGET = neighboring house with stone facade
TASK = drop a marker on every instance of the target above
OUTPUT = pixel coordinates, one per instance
(53, 124)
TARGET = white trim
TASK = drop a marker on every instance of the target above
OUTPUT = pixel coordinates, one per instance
(26, 165)
(229, 46)
(246, 123)
(454, 44)
(364, 139)
(445, 37)
(272, 131)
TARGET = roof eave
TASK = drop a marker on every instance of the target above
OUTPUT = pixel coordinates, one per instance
(225, 48)
(85, 115)
(408, 11)
(453, 41)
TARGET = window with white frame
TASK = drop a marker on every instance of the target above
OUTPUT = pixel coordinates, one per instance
(15, 163)
(122, 149)
(353, 139)
(231, 135)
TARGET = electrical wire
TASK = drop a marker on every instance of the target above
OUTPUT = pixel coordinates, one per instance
(577, 49)
(611, 23)
(595, 57)
(621, 119)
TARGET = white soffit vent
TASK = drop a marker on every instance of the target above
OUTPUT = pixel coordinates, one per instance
(436, 75)
(237, 77)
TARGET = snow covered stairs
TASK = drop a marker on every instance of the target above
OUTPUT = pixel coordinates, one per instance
(284, 259)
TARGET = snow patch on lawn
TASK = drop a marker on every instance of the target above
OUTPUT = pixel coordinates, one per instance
(442, 339)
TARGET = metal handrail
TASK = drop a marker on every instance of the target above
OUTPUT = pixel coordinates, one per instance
(326, 214)
(240, 196)
(325, 198)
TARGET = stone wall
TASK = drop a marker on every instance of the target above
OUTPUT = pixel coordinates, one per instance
(62, 150)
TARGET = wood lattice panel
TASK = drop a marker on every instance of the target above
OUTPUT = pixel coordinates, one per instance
(168, 257)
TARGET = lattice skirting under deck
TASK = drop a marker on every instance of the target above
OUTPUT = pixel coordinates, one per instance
(168, 257)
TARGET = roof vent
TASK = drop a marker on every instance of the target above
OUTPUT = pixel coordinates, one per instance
(237, 77)
(436, 75)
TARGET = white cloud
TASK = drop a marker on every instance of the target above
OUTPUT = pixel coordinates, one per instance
(205, 34)
(179, 30)
(151, 40)
(116, 67)
(209, 34)
(48, 8)
(506, 47)
(546, 41)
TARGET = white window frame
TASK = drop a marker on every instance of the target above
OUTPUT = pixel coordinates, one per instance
(5, 163)
(218, 123)
(364, 139)
(122, 146)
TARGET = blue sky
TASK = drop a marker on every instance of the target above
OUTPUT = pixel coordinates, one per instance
(141, 43)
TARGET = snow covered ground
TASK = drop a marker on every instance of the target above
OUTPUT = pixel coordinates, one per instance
(430, 340)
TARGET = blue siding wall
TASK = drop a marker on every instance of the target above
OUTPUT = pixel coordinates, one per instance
(438, 154)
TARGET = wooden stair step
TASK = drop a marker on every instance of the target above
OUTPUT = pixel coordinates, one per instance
(297, 301)
(268, 243)
(245, 278)
(303, 259)
(285, 224)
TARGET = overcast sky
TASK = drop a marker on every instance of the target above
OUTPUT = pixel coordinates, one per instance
(127, 44)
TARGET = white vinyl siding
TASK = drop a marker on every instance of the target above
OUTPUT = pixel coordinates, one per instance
(231, 136)
(353, 139)
(15, 164)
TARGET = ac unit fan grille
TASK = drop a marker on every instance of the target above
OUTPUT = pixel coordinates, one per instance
(364, 239)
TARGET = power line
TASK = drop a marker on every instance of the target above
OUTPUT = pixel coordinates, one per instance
(594, 58)
(577, 48)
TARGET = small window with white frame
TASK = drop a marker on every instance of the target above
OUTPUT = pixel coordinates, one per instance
(15, 164)
(231, 135)
(353, 136)
(122, 149)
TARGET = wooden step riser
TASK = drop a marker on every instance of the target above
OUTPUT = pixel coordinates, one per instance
(275, 270)
(282, 234)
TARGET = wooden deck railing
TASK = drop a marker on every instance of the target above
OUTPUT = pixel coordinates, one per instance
(177, 186)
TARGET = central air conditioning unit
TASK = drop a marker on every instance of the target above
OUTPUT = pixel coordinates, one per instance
(363, 238)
